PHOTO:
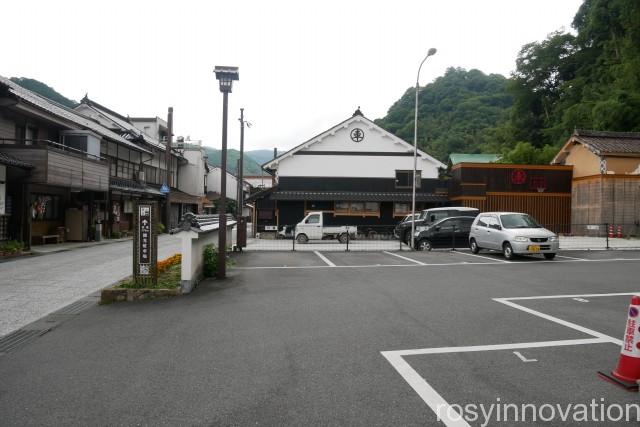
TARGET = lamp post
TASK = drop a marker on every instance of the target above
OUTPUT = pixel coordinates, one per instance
(431, 52)
(226, 76)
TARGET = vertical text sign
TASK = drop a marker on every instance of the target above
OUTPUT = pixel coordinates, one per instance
(144, 240)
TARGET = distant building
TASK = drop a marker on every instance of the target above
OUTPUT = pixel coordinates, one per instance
(259, 182)
(542, 191)
(455, 158)
(606, 179)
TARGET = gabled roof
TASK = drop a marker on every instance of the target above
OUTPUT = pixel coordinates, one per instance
(123, 123)
(455, 158)
(64, 113)
(355, 118)
(624, 144)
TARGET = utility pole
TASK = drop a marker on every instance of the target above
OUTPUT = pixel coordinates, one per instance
(167, 159)
(240, 166)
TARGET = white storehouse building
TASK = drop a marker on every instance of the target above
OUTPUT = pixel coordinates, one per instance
(356, 171)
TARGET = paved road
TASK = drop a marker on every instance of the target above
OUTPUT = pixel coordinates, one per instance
(35, 286)
(301, 345)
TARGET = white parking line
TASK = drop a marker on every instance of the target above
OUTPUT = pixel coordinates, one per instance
(445, 412)
(484, 257)
(404, 258)
(570, 257)
(506, 301)
(324, 258)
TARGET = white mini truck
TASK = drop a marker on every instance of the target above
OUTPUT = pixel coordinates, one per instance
(317, 226)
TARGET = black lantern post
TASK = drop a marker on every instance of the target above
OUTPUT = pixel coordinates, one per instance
(226, 76)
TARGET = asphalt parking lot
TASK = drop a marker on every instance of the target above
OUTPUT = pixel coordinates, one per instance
(330, 338)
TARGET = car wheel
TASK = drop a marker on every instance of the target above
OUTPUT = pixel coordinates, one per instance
(343, 238)
(549, 256)
(507, 251)
(302, 238)
(424, 245)
(474, 246)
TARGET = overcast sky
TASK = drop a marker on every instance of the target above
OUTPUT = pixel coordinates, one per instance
(304, 66)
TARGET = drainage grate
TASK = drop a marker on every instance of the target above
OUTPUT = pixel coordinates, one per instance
(76, 307)
(18, 338)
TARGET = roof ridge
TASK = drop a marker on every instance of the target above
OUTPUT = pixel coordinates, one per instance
(606, 134)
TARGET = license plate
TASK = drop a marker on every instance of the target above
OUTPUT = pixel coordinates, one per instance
(534, 248)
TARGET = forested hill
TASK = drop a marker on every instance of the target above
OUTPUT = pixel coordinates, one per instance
(456, 113)
(585, 79)
(44, 90)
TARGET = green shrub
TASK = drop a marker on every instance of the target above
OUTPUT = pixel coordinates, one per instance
(11, 247)
(115, 234)
(210, 261)
(161, 228)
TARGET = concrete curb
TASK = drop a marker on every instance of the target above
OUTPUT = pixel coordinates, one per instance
(111, 295)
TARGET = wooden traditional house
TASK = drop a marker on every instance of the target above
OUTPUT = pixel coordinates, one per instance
(542, 191)
(356, 171)
(606, 180)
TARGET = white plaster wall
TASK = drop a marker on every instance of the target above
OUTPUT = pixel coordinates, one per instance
(191, 175)
(213, 183)
(353, 166)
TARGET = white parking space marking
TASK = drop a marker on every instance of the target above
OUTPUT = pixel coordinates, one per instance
(325, 259)
(524, 359)
(614, 294)
(404, 258)
(506, 301)
(570, 257)
(436, 402)
(432, 398)
(484, 257)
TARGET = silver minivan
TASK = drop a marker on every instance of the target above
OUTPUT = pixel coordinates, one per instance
(513, 234)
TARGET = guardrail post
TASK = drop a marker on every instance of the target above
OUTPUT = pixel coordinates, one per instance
(348, 238)
(293, 245)
(606, 230)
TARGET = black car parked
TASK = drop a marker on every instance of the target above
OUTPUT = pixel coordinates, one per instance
(428, 217)
(447, 233)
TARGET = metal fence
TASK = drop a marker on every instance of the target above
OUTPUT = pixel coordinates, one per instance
(381, 238)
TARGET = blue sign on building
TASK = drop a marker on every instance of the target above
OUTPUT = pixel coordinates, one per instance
(164, 189)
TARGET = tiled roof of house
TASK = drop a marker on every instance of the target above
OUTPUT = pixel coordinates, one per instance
(9, 160)
(64, 113)
(609, 142)
(129, 186)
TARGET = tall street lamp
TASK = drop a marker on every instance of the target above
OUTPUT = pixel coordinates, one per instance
(431, 52)
(226, 76)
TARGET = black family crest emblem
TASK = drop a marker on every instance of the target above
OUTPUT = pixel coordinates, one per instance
(357, 135)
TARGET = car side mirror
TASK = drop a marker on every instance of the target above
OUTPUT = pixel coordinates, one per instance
(496, 226)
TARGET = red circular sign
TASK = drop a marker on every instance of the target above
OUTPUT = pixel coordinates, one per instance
(518, 176)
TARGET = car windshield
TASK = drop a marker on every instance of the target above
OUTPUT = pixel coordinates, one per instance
(518, 221)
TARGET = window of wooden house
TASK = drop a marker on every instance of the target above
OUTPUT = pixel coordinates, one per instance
(342, 208)
(357, 208)
(401, 209)
(403, 178)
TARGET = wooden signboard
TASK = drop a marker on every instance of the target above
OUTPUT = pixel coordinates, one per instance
(145, 243)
